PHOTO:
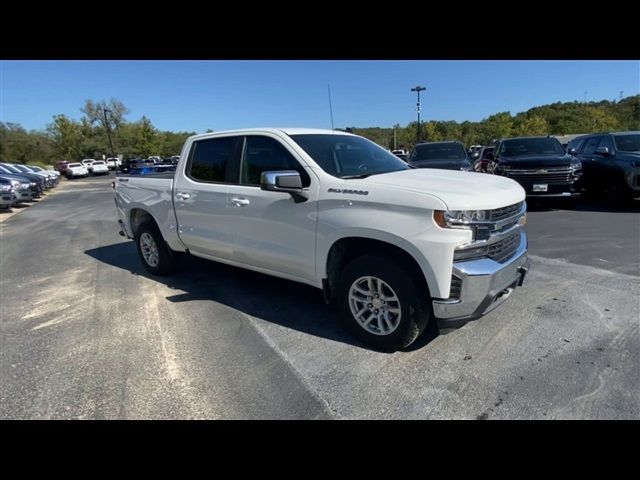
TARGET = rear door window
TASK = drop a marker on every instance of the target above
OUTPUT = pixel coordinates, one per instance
(209, 159)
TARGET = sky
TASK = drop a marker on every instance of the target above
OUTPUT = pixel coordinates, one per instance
(219, 95)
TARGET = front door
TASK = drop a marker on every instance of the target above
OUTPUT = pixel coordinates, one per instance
(270, 230)
(589, 159)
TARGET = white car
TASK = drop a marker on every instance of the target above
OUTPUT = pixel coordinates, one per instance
(88, 163)
(76, 170)
(6, 193)
(112, 163)
(100, 168)
(394, 247)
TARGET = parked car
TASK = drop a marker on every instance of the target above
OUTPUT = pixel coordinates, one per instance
(88, 164)
(48, 182)
(36, 182)
(147, 169)
(51, 178)
(55, 175)
(611, 163)
(21, 189)
(61, 166)
(36, 168)
(392, 246)
(100, 168)
(481, 159)
(6, 193)
(539, 164)
(443, 155)
(112, 163)
(129, 164)
(401, 154)
(76, 170)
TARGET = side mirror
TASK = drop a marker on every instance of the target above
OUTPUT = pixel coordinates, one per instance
(603, 151)
(573, 151)
(285, 181)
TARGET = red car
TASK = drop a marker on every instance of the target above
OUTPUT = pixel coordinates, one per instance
(61, 166)
(482, 158)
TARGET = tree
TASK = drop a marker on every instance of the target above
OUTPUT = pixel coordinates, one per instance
(497, 126)
(529, 126)
(94, 113)
(67, 137)
(430, 132)
(146, 139)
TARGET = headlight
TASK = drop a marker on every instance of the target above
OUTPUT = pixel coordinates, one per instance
(575, 164)
(459, 218)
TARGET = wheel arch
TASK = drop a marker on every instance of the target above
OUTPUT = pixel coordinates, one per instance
(346, 249)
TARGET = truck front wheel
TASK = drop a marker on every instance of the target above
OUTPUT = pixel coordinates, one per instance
(382, 303)
(156, 255)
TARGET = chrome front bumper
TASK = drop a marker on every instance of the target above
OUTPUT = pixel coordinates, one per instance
(485, 285)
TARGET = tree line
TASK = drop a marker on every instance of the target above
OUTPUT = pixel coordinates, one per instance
(553, 119)
(68, 139)
(72, 140)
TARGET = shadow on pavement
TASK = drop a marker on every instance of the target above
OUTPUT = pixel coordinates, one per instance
(289, 304)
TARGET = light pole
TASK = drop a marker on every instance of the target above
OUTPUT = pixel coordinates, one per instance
(418, 89)
(106, 124)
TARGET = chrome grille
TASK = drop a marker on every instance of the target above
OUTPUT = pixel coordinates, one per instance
(505, 212)
(505, 248)
(551, 176)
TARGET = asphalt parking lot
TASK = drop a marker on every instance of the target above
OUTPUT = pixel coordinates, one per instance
(87, 333)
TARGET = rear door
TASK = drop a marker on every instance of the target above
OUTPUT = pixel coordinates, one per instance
(200, 196)
(588, 159)
(270, 230)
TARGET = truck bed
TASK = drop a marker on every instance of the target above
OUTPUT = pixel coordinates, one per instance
(152, 193)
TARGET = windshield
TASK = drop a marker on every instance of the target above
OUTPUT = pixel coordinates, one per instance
(11, 168)
(24, 169)
(73, 165)
(347, 156)
(99, 163)
(35, 169)
(628, 143)
(438, 151)
(532, 146)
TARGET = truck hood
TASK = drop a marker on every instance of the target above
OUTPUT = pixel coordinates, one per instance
(458, 190)
(445, 164)
(536, 161)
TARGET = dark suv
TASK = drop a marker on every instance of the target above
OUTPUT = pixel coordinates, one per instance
(445, 155)
(539, 164)
(611, 163)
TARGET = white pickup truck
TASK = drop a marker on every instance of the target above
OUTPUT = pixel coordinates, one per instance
(392, 246)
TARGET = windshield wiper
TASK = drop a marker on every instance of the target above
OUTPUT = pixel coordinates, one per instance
(363, 175)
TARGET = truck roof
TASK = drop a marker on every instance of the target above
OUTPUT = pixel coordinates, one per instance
(288, 131)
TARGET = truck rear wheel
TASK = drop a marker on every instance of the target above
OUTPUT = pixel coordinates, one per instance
(154, 252)
(382, 303)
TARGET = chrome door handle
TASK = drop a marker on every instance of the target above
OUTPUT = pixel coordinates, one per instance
(240, 202)
(183, 195)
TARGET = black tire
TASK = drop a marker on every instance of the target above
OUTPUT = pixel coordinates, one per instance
(618, 193)
(415, 307)
(166, 257)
